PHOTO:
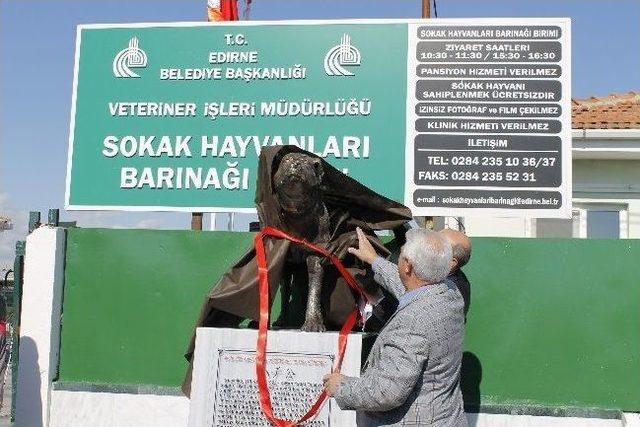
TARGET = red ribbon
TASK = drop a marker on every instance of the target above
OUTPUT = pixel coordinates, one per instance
(261, 346)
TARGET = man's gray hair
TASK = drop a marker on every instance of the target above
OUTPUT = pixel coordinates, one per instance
(429, 253)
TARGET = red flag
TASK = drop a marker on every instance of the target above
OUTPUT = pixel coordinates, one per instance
(222, 10)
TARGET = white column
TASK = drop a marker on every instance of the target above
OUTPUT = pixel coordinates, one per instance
(39, 325)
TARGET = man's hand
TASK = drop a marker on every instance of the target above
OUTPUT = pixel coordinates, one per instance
(365, 251)
(331, 382)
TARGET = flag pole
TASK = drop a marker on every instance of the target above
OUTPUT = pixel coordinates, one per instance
(426, 8)
(217, 10)
(426, 221)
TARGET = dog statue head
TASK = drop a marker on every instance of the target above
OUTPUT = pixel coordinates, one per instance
(297, 183)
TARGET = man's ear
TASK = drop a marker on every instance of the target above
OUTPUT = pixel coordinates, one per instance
(317, 167)
(408, 267)
(453, 265)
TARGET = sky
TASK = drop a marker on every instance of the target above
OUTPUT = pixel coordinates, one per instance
(37, 40)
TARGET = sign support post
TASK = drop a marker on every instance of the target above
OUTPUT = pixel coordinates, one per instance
(425, 221)
(196, 221)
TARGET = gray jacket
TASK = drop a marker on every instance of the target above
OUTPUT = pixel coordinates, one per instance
(412, 375)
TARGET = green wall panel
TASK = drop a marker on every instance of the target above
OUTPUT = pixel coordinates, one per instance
(552, 322)
(131, 299)
(556, 322)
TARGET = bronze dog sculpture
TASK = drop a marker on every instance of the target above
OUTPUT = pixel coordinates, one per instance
(297, 184)
(300, 194)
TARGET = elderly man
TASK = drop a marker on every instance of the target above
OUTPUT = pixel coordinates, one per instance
(412, 374)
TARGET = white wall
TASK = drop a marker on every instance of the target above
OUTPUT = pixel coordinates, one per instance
(82, 408)
(507, 420)
(610, 181)
(39, 325)
(496, 227)
(606, 181)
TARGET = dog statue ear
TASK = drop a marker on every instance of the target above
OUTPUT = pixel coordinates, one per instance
(317, 167)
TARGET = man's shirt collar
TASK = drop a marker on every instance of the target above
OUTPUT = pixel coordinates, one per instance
(409, 296)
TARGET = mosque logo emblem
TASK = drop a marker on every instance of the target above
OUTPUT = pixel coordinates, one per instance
(341, 56)
(128, 58)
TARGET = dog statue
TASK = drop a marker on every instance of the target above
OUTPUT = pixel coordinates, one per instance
(296, 183)
(301, 194)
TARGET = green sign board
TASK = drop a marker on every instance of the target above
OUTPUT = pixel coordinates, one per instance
(173, 116)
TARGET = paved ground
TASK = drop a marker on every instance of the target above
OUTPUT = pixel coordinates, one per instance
(5, 410)
(5, 387)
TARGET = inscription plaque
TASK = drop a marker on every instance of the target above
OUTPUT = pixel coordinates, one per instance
(224, 386)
